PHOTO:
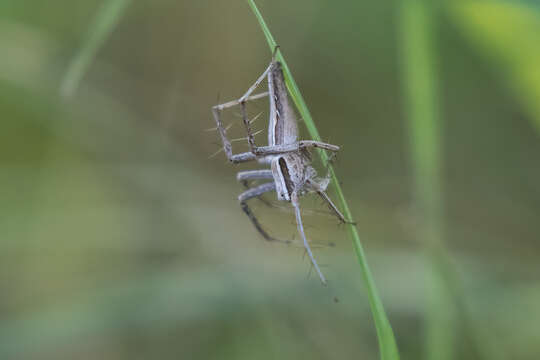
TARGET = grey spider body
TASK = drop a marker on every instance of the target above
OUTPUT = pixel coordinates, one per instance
(289, 158)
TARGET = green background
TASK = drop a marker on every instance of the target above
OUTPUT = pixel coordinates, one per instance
(121, 237)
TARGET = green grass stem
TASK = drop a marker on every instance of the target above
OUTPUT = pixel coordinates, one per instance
(387, 344)
(446, 301)
(106, 19)
(421, 102)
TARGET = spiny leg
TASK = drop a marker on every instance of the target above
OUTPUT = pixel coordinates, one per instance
(247, 124)
(255, 192)
(334, 208)
(285, 148)
(242, 101)
(306, 144)
(227, 147)
(238, 101)
(296, 204)
(320, 190)
(252, 88)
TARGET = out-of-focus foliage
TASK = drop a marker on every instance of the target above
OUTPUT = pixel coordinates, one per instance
(121, 239)
(507, 32)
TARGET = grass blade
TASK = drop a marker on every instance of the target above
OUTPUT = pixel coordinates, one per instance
(103, 24)
(387, 344)
(446, 296)
(506, 33)
(421, 102)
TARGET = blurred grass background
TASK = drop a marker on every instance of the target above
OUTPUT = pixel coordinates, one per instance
(122, 240)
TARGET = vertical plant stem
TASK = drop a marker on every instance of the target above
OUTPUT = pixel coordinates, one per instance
(104, 22)
(421, 100)
(446, 296)
(387, 344)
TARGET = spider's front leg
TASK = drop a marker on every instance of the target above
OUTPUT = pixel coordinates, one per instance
(248, 156)
(286, 148)
(227, 147)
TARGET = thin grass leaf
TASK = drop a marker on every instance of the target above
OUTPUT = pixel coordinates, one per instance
(387, 344)
(446, 296)
(106, 19)
(507, 33)
(421, 102)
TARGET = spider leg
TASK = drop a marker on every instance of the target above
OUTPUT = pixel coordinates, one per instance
(254, 175)
(227, 147)
(242, 100)
(236, 158)
(305, 144)
(296, 204)
(285, 148)
(245, 176)
(252, 193)
(334, 208)
(322, 193)
(255, 85)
